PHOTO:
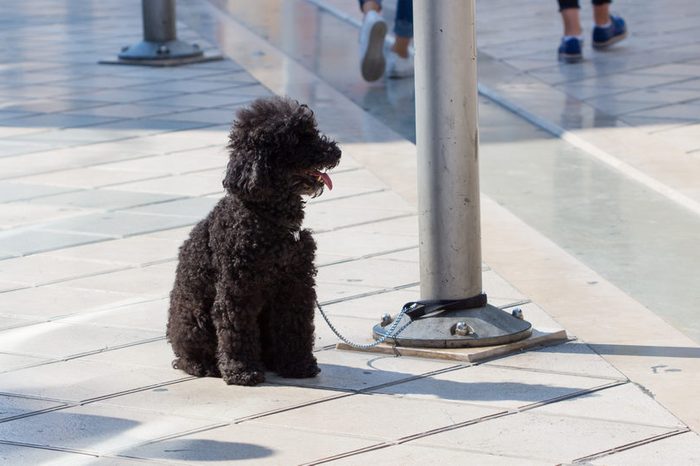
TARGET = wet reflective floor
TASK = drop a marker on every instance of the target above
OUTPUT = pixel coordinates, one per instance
(640, 241)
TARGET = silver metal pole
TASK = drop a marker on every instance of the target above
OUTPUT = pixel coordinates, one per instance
(447, 140)
(160, 45)
(159, 20)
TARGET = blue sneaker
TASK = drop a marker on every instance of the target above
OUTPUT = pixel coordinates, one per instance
(607, 36)
(570, 50)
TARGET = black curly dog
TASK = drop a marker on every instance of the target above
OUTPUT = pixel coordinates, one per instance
(243, 299)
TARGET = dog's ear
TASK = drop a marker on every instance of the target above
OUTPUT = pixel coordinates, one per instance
(247, 174)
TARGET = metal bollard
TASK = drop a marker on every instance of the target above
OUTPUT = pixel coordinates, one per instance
(448, 146)
(160, 45)
(158, 20)
(455, 312)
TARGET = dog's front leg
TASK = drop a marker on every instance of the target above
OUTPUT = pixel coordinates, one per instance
(291, 324)
(238, 337)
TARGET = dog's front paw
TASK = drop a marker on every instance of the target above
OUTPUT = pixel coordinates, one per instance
(242, 377)
(197, 369)
(300, 371)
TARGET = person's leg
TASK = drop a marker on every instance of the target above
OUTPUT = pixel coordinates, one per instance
(370, 5)
(403, 27)
(609, 29)
(571, 42)
(399, 60)
(601, 13)
(570, 16)
(372, 33)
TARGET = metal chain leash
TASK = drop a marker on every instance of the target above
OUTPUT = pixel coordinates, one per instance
(392, 331)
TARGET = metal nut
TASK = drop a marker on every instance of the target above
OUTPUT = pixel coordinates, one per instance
(518, 313)
(386, 320)
(463, 329)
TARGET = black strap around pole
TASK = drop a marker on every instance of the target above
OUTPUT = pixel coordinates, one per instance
(417, 309)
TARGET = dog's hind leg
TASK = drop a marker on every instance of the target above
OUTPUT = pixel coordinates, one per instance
(193, 338)
(190, 330)
(238, 346)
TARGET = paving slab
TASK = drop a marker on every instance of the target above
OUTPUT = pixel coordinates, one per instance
(10, 191)
(199, 184)
(679, 449)
(409, 453)
(41, 269)
(368, 414)
(572, 357)
(148, 315)
(62, 340)
(210, 398)
(151, 281)
(17, 454)
(57, 300)
(24, 214)
(495, 387)
(344, 370)
(334, 292)
(352, 242)
(174, 163)
(154, 354)
(79, 380)
(135, 250)
(359, 209)
(374, 272)
(626, 403)
(105, 199)
(542, 437)
(96, 429)
(20, 243)
(13, 406)
(118, 224)
(249, 443)
(10, 362)
(197, 207)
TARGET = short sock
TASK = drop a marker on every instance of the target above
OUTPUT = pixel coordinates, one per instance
(604, 26)
(573, 37)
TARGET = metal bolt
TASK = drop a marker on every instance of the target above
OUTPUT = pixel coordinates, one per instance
(463, 329)
(163, 49)
(386, 320)
(518, 313)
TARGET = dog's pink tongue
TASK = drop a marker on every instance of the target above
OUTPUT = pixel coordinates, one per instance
(326, 179)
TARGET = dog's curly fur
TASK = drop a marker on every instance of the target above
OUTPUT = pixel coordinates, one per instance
(243, 298)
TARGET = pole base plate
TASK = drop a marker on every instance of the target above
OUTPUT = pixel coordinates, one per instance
(482, 326)
(171, 53)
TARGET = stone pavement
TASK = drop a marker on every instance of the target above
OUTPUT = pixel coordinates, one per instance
(104, 169)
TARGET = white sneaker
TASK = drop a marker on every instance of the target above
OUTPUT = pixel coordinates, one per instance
(399, 67)
(372, 35)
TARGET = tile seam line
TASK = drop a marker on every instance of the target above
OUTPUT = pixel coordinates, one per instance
(576, 141)
(592, 150)
(372, 255)
(49, 447)
(630, 446)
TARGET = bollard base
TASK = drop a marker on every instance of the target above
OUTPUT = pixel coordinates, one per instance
(544, 331)
(537, 339)
(171, 53)
(460, 328)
